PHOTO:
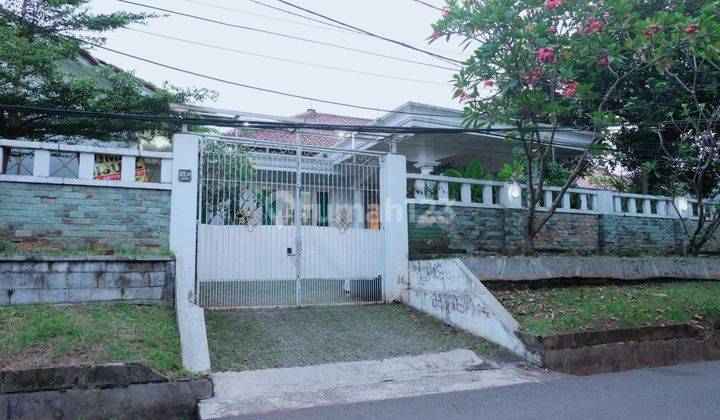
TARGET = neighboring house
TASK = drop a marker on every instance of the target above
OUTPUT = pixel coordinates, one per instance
(424, 152)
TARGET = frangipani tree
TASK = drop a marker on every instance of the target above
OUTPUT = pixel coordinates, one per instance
(690, 77)
(536, 59)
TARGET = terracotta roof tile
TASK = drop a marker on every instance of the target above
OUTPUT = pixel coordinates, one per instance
(323, 139)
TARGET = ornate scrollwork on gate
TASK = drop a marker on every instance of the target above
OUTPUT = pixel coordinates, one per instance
(342, 220)
(249, 212)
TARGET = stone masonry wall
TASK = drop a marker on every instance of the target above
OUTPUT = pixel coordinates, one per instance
(438, 231)
(77, 279)
(69, 217)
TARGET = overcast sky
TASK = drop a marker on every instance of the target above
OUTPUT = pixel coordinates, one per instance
(404, 20)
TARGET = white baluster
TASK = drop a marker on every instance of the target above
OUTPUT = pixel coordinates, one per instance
(487, 194)
(86, 167)
(41, 163)
(583, 201)
(127, 169)
(443, 191)
(566, 200)
(166, 171)
(548, 199)
(466, 193)
(647, 208)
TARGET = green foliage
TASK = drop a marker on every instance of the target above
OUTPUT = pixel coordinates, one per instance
(582, 308)
(453, 189)
(41, 64)
(226, 199)
(32, 336)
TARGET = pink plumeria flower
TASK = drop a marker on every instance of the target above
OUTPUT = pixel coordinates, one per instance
(445, 11)
(691, 28)
(604, 62)
(553, 4)
(570, 89)
(546, 55)
(488, 83)
(463, 97)
(435, 34)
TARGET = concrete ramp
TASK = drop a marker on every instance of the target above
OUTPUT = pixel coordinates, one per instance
(447, 290)
(268, 390)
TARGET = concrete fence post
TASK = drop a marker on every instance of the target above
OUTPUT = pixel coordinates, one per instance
(606, 203)
(41, 163)
(511, 195)
(183, 235)
(682, 208)
(394, 215)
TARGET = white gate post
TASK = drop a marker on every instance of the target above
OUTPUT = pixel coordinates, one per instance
(393, 218)
(183, 235)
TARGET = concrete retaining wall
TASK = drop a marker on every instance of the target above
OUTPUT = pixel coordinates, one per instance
(550, 268)
(118, 391)
(446, 290)
(69, 217)
(440, 231)
(78, 279)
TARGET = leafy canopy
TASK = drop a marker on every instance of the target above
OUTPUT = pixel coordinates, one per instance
(40, 51)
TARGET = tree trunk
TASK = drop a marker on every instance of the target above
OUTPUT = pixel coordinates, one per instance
(529, 237)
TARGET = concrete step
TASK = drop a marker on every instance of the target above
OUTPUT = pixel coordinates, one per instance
(263, 391)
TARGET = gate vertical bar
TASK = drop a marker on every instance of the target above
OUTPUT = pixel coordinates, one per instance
(298, 222)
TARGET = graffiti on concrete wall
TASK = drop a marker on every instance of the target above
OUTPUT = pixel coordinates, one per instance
(461, 304)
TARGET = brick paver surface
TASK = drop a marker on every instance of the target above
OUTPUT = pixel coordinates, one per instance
(258, 339)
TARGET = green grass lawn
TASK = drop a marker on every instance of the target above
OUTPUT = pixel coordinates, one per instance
(35, 336)
(585, 308)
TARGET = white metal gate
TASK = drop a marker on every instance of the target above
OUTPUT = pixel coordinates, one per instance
(287, 225)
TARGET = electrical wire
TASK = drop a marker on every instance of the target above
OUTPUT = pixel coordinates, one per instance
(371, 34)
(297, 38)
(327, 26)
(427, 4)
(287, 60)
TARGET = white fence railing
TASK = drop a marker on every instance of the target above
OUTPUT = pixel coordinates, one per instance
(443, 190)
(73, 164)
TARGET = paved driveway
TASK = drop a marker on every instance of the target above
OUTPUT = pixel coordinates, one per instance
(259, 339)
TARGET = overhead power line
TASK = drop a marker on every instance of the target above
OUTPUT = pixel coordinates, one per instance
(326, 26)
(247, 86)
(427, 4)
(287, 60)
(279, 9)
(384, 38)
(297, 38)
(294, 22)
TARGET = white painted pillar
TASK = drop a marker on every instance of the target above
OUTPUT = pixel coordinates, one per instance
(682, 208)
(41, 163)
(394, 222)
(127, 169)
(183, 235)
(511, 195)
(583, 201)
(86, 167)
(662, 208)
(605, 202)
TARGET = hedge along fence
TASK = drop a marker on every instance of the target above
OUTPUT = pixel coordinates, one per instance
(488, 217)
(62, 196)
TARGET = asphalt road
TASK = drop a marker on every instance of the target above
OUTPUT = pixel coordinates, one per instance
(677, 392)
